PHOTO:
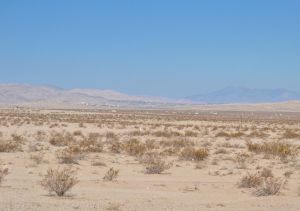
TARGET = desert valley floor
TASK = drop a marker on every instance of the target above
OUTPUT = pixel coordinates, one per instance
(149, 160)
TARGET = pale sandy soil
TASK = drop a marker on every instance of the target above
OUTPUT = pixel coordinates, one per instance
(212, 186)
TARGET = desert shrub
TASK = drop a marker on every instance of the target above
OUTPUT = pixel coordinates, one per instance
(264, 182)
(59, 181)
(181, 143)
(69, 155)
(11, 145)
(241, 159)
(288, 173)
(170, 151)
(115, 147)
(165, 133)
(61, 139)
(35, 147)
(77, 133)
(254, 147)
(111, 174)
(190, 153)
(269, 186)
(275, 148)
(230, 135)
(151, 144)
(290, 134)
(257, 134)
(3, 173)
(189, 133)
(250, 181)
(98, 163)
(91, 144)
(81, 124)
(138, 133)
(134, 148)
(154, 163)
(110, 136)
(221, 151)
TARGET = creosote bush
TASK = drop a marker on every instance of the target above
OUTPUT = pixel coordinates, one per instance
(59, 181)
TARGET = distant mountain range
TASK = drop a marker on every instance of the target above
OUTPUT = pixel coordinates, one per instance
(47, 96)
(25, 94)
(245, 95)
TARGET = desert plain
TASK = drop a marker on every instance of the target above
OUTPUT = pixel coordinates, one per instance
(148, 160)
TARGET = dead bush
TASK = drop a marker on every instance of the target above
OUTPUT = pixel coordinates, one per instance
(269, 186)
(250, 181)
(111, 174)
(59, 181)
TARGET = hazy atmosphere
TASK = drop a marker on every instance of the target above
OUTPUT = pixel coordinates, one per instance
(157, 48)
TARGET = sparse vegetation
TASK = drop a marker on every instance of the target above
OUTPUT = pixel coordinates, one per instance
(59, 181)
(143, 146)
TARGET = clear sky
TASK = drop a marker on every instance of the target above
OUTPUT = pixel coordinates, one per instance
(171, 48)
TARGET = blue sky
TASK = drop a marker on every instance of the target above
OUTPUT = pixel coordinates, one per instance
(168, 48)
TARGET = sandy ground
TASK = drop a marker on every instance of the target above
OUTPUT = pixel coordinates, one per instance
(211, 184)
